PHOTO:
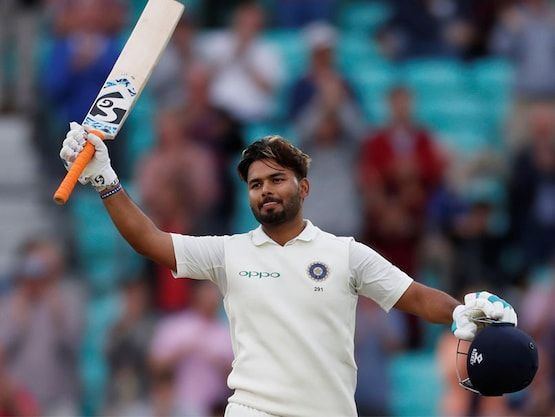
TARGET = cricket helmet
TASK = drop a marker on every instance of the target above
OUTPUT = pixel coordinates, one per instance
(501, 359)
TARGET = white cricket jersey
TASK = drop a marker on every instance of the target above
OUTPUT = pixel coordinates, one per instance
(292, 310)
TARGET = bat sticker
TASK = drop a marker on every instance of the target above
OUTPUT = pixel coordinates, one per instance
(111, 106)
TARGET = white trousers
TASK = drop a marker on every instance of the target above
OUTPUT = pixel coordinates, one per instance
(238, 410)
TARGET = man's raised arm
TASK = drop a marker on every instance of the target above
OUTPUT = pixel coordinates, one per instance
(135, 227)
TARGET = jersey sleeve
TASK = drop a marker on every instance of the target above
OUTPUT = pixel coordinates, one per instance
(375, 277)
(200, 257)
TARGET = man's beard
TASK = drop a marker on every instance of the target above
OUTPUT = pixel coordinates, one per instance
(276, 217)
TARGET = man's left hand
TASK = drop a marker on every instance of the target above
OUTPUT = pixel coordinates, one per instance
(480, 305)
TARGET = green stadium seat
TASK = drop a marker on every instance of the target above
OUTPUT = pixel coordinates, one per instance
(465, 143)
(375, 108)
(373, 77)
(363, 16)
(493, 78)
(141, 131)
(372, 82)
(431, 78)
(100, 316)
(355, 48)
(454, 113)
(416, 387)
(101, 252)
(294, 52)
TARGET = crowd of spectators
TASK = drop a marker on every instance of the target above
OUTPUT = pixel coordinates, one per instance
(455, 219)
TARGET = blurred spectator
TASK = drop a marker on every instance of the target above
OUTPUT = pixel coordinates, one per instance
(536, 316)
(532, 188)
(80, 59)
(15, 400)
(526, 35)
(296, 14)
(41, 329)
(215, 13)
(177, 159)
(473, 222)
(127, 351)
(216, 131)
(197, 346)
(378, 336)
(178, 185)
(456, 401)
(473, 32)
(330, 130)
(166, 82)
(424, 28)
(246, 69)
(162, 394)
(19, 25)
(323, 82)
(400, 166)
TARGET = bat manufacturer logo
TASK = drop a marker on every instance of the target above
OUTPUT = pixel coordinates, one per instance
(106, 108)
(99, 180)
(111, 106)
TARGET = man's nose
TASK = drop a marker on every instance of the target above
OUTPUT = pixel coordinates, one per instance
(266, 188)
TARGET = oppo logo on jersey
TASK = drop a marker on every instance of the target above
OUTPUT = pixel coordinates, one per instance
(259, 274)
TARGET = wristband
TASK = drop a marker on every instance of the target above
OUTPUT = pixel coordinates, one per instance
(111, 192)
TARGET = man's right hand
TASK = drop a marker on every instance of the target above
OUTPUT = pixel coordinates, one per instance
(98, 172)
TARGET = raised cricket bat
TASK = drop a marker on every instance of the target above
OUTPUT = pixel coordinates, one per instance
(125, 82)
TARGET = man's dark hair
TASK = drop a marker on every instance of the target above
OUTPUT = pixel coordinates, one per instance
(276, 149)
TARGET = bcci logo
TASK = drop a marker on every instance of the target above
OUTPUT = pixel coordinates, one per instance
(475, 357)
(318, 271)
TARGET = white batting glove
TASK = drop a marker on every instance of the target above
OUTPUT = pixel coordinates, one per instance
(480, 305)
(98, 172)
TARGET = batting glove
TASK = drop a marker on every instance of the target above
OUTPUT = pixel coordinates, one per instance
(480, 305)
(98, 172)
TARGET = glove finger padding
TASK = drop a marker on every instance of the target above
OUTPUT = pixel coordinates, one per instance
(463, 327)
(98, 171)
(70, 149)
(478, 306)
(509, 315)
(497, 311)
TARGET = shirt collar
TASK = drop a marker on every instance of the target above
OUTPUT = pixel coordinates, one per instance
(309, 233)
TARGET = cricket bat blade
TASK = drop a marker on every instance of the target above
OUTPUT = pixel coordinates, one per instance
(125, 82)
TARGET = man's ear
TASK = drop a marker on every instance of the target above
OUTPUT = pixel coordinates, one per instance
(304, 187)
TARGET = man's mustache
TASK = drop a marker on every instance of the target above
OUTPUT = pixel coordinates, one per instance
(269, 200)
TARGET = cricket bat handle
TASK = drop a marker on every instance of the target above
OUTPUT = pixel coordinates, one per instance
(68, 183)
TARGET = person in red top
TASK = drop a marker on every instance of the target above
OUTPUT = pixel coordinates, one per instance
(400, 165)
(15, 399)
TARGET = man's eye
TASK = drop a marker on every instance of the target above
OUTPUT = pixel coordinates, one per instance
(255, 185)
(278, 179)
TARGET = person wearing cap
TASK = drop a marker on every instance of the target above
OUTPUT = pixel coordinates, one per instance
(323, 85)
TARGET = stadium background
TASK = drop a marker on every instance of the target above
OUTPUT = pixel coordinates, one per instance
(480, 74)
